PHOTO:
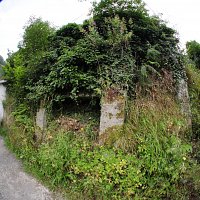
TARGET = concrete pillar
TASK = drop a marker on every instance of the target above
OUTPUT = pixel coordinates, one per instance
(41, 123)
(41, 118)
(112, 111)
(184, 99)
(2, 99)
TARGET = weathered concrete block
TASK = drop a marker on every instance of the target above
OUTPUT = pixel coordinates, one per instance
(112, 109)
(41, 121)
(184, 99)
(2, 98)
(41, 124)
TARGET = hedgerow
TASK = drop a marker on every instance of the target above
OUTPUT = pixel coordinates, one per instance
(146, 159)
(121, 44)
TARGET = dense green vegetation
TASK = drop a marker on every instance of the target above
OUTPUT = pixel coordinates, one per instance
(194, 89)
(153, 156)
(193, 51)
(147, 158)
(193, 74)
(2, 63)
(121, 44)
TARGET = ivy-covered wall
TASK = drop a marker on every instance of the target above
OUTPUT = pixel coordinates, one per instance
(121, 44)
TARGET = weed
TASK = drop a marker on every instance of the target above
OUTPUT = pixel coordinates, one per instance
(146, 159)
(193, 75)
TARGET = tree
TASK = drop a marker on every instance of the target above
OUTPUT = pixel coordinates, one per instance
(193, 51)
(34, 45)
(23, 67)
(2, 62)
(35, 39)
(118, 45)
(148, 31)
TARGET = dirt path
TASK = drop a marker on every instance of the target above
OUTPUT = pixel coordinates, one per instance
(15, 184)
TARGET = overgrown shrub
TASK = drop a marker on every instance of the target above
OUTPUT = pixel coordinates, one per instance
(193, 75)
(20, 136)
(107, 173)
(193, 52)
(123, 45)
(119, 44)
(147, 159)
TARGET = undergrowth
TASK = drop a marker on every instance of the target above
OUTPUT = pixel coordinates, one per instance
(193, 75)
(147, 159)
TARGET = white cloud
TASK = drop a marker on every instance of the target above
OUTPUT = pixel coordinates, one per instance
(15, 13)
(183, 15)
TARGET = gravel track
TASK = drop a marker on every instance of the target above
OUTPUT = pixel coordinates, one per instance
(15, 184)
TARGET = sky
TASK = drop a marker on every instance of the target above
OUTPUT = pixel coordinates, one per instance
(182, 15)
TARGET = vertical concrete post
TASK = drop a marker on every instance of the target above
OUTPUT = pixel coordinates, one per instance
(41, 118)
(112, 111)
(184, 99)
(41, 123)
(2, 99)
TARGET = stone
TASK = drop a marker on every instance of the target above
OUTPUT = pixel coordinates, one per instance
(2, 99)
(112, 109)
(41, 119)
(184, 99)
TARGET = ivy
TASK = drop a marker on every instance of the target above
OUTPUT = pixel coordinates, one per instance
(120, 45)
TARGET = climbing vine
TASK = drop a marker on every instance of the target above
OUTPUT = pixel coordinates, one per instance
(121, 44)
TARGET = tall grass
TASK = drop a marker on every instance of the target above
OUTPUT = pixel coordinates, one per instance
(193, 75)
(146, 159)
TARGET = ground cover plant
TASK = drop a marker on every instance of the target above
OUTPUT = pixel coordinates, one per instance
(146, 159)
(121, 45)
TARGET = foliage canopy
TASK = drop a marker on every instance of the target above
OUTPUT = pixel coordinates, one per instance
(121, 44)
(193, 51)
(2, 62)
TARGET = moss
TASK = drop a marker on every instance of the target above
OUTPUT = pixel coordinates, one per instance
(110, 115)
(113, 94)
(110, 135)
(121, 108)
